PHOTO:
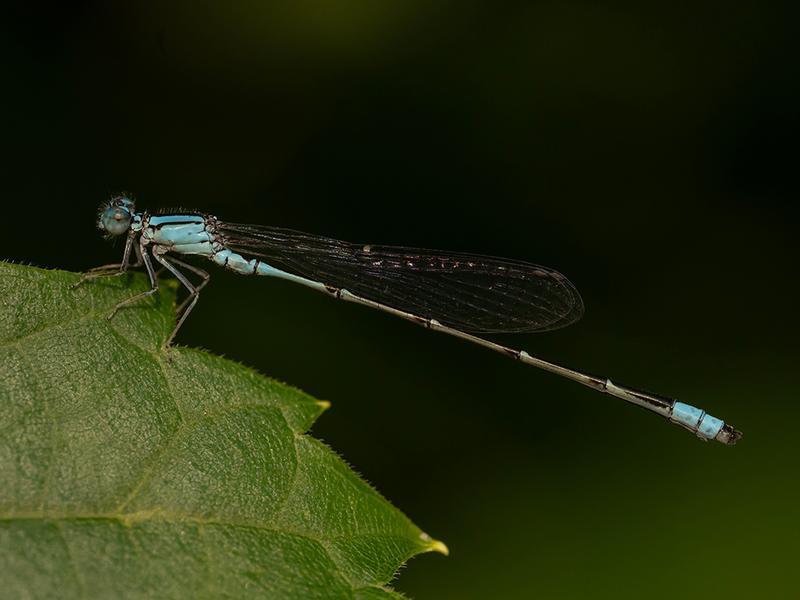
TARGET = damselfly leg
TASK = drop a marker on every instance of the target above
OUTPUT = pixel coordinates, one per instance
(194, 292)
(153, 283)
(114, 269)
(204, 276)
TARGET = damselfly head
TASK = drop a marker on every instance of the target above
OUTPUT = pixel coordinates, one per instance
(115, 215)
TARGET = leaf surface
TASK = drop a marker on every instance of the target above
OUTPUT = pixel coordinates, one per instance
(127, 472)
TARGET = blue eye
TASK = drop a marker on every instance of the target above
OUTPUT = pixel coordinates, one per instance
(115, 220)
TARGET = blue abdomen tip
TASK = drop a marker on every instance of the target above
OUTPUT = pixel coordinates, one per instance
(697, 420)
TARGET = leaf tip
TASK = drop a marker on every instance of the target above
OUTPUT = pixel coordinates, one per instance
(323, 404)
(432, 545)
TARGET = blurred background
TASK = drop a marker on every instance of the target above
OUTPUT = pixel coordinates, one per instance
(646, 150)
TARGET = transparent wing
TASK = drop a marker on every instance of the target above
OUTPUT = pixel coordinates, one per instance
(473, 293)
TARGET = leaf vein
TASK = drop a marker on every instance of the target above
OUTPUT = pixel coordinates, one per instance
(78, 578)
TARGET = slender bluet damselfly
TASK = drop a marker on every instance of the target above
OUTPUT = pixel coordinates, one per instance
(458, 294)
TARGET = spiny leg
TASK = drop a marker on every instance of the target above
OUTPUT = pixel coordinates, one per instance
(197, 271)
(120, 268)
(193, 291)
(114, 269)
(142, 252)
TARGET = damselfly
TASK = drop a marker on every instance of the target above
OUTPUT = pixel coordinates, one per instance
(458, 294)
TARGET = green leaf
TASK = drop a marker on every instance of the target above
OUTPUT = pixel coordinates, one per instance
(126, 471)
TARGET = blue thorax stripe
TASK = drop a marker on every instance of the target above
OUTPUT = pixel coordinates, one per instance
(159, 220)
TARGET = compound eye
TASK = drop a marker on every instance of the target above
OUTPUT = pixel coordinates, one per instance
(115, 220)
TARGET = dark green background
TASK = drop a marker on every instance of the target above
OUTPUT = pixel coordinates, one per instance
(649, 152)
